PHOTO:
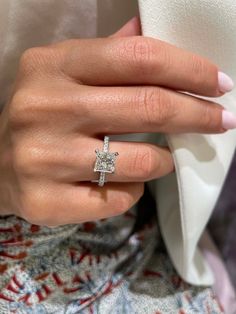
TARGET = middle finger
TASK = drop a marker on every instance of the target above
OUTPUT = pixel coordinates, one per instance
(120, 110)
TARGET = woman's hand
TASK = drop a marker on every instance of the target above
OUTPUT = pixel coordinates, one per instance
(68, 95)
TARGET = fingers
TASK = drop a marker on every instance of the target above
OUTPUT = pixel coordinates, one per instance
(146, 61)
(112, 200)
(136, 162)
(73, 160)
(63, 204)
(121, 110)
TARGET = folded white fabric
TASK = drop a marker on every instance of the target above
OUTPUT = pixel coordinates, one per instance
(186, 199)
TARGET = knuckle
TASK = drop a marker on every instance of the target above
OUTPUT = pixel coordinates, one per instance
(200, 69)
(81, 105)
(36, 58)
(155, 106)
(138, 50)
(30, 106)
(144, 163)
(21, 108)
(211, 117)
(27, 57)
(21, 159)
(206, 119)
(29, 60)
(17, 107)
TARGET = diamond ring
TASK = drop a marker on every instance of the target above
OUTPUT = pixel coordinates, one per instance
(105, 162)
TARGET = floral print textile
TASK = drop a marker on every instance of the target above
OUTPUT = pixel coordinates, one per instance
(117, 265)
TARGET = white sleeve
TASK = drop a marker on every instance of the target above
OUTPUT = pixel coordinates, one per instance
(186, 199)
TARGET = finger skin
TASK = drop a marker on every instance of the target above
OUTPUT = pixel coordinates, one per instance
(140, 60)
(136, 162)
(96, 111)
(51, 104)
(121, 110)
(111, 200)
(55, 205)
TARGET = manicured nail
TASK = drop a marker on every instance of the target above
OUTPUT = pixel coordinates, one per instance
(226, 84)
(228, 120)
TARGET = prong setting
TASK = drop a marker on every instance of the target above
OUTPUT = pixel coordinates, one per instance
(105, 161)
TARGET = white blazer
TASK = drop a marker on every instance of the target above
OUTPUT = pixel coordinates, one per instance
(185, 199)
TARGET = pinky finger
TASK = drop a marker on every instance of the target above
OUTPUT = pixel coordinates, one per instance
(79, 203)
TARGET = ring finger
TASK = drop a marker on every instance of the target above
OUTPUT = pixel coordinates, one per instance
(136, 162)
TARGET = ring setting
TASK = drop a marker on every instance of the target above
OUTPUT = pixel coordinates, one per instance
(105, 162)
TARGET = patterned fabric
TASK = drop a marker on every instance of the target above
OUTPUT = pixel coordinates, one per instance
(117, 265)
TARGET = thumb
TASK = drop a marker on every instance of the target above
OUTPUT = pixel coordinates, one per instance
(131, 28)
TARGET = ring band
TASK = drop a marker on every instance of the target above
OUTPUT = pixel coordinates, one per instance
(105, 162)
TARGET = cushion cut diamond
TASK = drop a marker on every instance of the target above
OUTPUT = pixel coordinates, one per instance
(105, 162)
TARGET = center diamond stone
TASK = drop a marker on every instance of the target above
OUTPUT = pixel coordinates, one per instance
(105, 162)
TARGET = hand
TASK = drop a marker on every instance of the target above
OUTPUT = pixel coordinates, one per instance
(68, 95)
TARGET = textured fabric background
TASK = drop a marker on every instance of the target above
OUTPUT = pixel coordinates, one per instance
(112, 266)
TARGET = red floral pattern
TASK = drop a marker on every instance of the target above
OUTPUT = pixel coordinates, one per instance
(96, 267)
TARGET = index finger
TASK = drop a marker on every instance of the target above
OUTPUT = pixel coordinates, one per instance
(140, 60)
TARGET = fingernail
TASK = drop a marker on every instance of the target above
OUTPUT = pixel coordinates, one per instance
(228, 120)
(226, 84)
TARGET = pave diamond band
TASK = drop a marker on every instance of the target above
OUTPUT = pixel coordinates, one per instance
(105, 162)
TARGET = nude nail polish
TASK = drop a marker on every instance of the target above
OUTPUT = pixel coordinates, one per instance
(226, 84)
(228, 120)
